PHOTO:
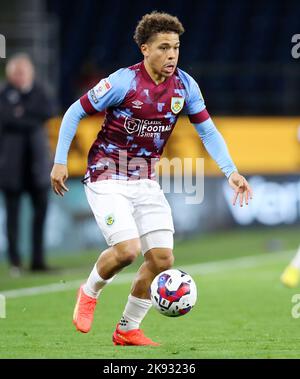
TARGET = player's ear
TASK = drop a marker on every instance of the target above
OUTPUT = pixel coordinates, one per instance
(145, 50)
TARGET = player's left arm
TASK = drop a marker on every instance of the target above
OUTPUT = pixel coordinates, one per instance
(214, 142)
(217, 149)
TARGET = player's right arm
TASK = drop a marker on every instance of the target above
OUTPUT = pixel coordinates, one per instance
(108, 92)
(59, 173)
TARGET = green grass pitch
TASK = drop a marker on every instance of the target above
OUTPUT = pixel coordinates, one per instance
(243, 311)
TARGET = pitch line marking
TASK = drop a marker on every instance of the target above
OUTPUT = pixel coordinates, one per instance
(194, 269)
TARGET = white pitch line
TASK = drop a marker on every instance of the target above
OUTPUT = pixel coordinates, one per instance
(199, 268)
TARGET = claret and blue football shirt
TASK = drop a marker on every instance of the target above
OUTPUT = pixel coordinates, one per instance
(140, 116)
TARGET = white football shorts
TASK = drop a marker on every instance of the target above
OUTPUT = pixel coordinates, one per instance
(130, 209)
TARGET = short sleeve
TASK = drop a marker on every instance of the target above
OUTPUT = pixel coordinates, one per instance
(109, 92)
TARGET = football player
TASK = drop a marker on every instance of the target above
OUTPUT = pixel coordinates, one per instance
(142, 105)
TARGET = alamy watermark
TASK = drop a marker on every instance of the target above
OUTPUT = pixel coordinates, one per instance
(296, 48)
(2, 46)
(2, 306)
(296, 307)
(139, 168)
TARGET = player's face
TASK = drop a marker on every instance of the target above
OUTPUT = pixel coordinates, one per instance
(20, 74)
(161, 55)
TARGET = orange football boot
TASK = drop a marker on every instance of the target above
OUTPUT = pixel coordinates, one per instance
(84, 311)
(134, 337)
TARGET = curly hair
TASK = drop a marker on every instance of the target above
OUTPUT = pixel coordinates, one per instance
(156, 22)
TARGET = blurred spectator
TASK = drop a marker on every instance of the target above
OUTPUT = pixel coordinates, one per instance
(24, 155)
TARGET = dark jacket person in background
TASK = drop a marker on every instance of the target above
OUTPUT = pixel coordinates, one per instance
(24, 155)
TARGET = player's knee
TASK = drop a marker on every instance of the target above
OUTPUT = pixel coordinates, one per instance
(166, 263)
(128, 251)
(163, 262)
(128, 257)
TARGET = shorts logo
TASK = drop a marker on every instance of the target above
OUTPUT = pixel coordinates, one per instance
(177, 104)
(109, 219)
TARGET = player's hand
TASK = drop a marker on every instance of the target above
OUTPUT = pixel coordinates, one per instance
(241, 187)
(59, 175)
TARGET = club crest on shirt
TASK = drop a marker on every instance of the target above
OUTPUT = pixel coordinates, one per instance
(177, 104)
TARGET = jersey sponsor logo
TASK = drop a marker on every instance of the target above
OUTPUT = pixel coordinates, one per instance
(145, 128)
(177, 104)
(101, 89)
(137, 104)
(132, 125)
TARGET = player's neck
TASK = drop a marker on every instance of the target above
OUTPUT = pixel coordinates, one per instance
(157, 78)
